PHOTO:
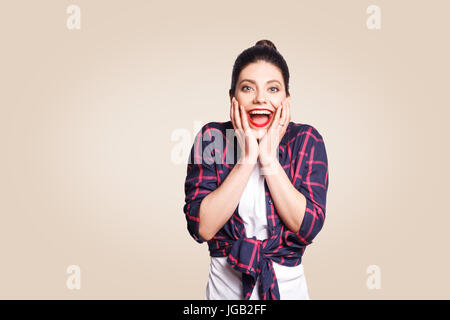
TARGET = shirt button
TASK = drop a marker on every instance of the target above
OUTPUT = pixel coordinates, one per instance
(270, 201)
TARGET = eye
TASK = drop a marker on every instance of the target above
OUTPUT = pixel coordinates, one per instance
(274, 88)
(243, 88)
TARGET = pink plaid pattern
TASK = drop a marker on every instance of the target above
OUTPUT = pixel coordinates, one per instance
(303, 157)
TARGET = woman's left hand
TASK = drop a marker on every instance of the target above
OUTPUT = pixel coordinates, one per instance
(268, 145)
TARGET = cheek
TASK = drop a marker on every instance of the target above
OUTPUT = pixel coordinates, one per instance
(244, 97)
(277, 101)
(243, 101)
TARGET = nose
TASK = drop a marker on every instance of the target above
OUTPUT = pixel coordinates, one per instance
(260, 98)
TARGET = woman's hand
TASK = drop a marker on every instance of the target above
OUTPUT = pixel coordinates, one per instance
(268, 145)
(245, 134)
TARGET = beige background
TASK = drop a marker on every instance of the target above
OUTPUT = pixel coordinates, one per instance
(86, 118)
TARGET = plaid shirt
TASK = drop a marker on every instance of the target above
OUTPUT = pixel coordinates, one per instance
(303, 157)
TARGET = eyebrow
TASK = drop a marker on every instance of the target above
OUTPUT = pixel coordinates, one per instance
(252, 81)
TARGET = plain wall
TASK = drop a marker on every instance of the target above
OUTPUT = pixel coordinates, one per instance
(87, 117)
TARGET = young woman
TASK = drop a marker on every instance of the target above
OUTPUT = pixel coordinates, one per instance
(257, 206)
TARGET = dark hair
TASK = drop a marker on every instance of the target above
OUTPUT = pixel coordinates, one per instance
(263, 50)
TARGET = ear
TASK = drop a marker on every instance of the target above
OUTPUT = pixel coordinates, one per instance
(230, 93)
(288, 99)
(231, 97)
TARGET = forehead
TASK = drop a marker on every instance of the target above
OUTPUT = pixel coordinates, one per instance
(261, 71)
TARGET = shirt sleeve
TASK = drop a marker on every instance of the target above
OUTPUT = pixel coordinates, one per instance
(201, 179)
(313, 184)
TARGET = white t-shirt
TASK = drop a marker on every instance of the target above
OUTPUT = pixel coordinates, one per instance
(225, 283)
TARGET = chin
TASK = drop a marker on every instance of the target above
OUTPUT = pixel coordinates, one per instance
(260, 133)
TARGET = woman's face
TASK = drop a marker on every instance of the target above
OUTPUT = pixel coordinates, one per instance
(259, 84)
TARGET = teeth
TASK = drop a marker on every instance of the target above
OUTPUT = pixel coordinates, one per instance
(260, 112)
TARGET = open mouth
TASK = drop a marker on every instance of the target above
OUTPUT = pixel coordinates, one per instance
(259, 117)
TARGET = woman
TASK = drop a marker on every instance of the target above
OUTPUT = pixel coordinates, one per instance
(260, 210)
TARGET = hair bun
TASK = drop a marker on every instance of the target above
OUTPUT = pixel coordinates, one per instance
(266, 43)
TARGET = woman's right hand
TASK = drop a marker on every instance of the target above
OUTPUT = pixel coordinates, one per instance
(245, 134)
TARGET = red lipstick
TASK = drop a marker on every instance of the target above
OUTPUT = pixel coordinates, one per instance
(262, 124)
